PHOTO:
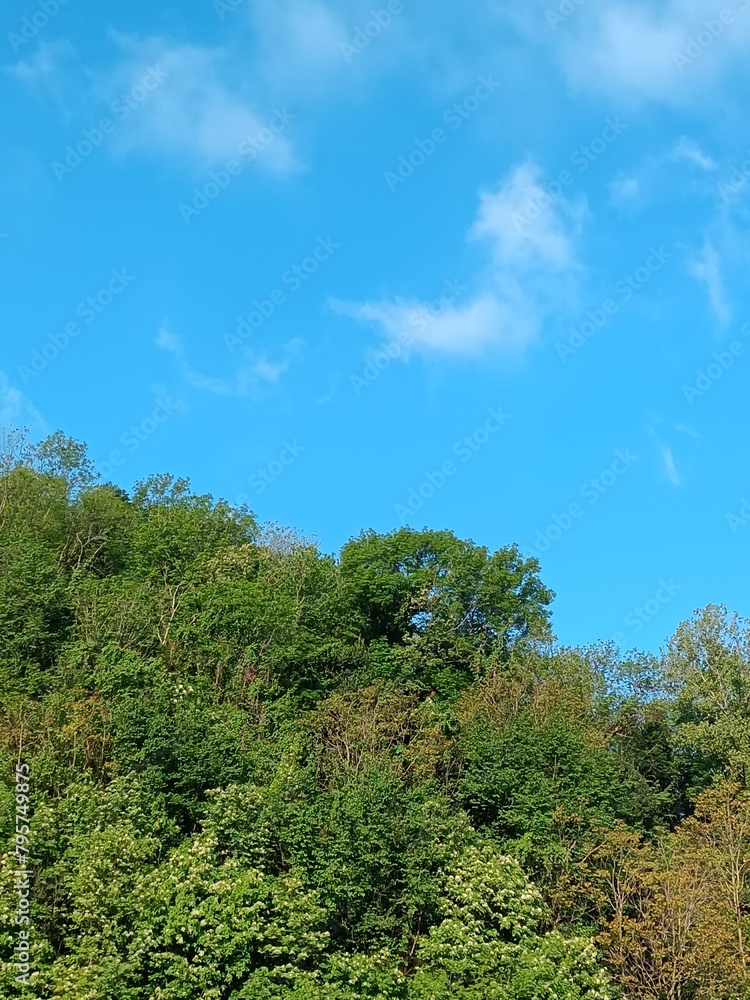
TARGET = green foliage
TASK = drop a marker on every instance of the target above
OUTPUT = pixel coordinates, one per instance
(446, 601)
(488, 942)
(708, 669)
(260, 771)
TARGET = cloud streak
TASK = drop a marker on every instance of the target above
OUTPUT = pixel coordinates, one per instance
(252, 380)
(707, 270)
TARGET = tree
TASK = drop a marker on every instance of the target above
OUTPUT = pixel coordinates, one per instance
(441, 602)
(676, 909)
(489, 943)
(543, 764)
(708, 669)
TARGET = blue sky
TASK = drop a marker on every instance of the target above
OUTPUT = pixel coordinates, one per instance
(480, 267)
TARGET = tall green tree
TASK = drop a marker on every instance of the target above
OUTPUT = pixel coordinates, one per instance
(431, 606)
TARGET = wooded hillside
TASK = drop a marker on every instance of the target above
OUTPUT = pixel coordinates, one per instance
(260, 771)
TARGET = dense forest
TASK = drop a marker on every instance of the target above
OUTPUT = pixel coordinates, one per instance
(252, 770)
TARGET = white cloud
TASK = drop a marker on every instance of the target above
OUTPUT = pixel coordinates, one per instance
(687, 149)
(707, 270)
(626, 51)
(197, 112)
(653, 51)
(253, 379)
(624, 191)
(531, 261)
(683, 165)
(16, 409)
(299, 41)
(308, 47)
(525, 225)
(467, 329)
(47, 62)
(675, 462)
(690, 431)
(192, 103)
(670, 467)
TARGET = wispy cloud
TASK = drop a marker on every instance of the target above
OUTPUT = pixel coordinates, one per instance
(17, 410)
(253, 380)
(299, 42)
(192, 104)
(636, 52)
(689, 150)
(690, 432)
(707, 269)
(677, 446)
(201, 111)
(683, 164)
(624, 191)
(47, 63)
(465, 329)
(308, 47)
(670, 467)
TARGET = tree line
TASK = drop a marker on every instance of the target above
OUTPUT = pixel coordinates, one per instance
(261, 771)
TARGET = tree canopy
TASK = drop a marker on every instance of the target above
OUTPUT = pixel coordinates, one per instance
(259, 771)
